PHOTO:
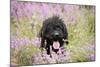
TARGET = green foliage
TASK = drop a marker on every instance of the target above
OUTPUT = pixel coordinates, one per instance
(81, 34)
(25, 54)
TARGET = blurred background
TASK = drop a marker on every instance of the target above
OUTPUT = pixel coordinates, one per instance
(27, 19)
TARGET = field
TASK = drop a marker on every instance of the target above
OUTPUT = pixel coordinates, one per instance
(27, 19)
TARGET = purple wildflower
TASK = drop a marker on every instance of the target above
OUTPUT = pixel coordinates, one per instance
(57, 9)
(24, 41)
(14, 42)
(92, 57)
(36, 41)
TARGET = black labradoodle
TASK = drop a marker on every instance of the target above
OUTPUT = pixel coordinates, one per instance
(53, 34)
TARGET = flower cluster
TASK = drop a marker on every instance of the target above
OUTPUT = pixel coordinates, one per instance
(16, 42)
(43, 58)
(27, 10)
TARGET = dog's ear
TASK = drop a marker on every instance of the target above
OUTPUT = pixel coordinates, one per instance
(65, 34)
(42, 38)
(42, 31)
(42, 42)
(65, 31)
(42, 35)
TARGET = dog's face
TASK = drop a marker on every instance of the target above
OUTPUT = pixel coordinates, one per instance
(54, 32)
(54, 36)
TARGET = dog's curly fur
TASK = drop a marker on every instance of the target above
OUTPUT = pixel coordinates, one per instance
(47, 33)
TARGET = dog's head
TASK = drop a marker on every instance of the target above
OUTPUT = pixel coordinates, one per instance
(54, 32)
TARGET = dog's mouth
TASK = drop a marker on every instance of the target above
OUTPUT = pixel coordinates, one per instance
(56, 45)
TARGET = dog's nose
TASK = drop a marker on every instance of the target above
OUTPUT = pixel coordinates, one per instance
(56, 34)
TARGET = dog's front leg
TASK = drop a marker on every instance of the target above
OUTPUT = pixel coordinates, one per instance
(48, 50)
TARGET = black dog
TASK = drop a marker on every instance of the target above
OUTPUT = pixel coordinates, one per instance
(53, 33)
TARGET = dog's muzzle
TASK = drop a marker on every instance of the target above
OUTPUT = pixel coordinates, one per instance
(56, 35)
